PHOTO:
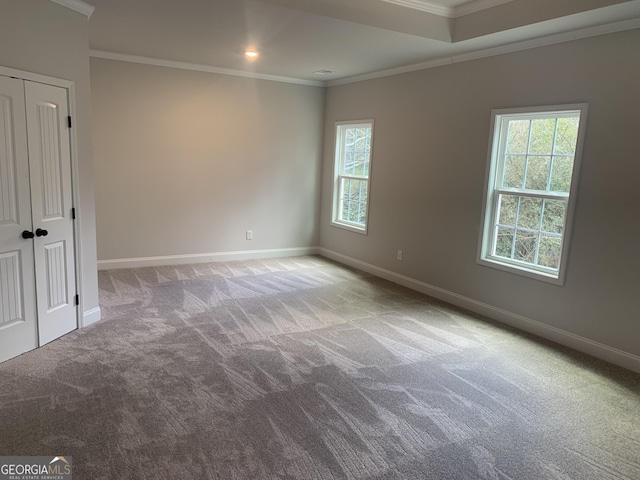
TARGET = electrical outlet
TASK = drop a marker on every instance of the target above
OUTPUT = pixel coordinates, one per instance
(399, 254)
(249, 234)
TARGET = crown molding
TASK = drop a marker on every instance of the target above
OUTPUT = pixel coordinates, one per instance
(500, 50)
(449, 12)
(78, 6)
(477, 6)
(391, 72)
(159, 62)
(424, 6)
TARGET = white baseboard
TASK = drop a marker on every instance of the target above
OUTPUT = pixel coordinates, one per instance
(582, 344)
(90, 317)
(204, 257)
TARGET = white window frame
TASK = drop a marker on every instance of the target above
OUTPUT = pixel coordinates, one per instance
(338, 176)
(494, 171)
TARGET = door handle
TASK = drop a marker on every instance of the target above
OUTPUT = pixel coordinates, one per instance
(27, 234)
(41, 233)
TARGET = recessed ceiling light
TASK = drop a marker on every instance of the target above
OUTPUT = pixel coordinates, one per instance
(323, 72)
(251, 54)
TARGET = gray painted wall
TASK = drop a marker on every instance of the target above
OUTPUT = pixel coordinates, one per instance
(429, 160)
(187, 161)
(42, 37)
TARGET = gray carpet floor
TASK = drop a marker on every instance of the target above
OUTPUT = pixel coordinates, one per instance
(301, 368)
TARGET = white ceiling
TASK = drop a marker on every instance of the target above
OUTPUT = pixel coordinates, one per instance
(348, 37)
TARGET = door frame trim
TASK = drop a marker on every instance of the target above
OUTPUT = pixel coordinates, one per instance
(68, 85)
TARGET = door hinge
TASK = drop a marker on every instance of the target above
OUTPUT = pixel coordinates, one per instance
(69, 121)
(77, 299)
(73, 213)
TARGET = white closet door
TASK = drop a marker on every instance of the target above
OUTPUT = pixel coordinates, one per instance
(18, 327)
(51, 206)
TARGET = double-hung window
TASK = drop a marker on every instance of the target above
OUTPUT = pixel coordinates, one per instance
(351, 174)
(531, 186)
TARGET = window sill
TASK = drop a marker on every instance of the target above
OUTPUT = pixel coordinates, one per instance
(491, 262)
(351, 228)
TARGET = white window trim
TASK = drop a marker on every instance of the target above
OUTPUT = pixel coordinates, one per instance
(336, 197)
(491, 195)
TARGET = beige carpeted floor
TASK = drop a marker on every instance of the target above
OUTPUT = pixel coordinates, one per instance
(300, 368)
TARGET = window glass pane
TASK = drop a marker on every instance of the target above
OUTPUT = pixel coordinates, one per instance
(508, 209)
(554, 216)
(567, 135)
(349, 207)
(349, 136)
(367, 146)
(561, 173)
(344, 214)
(514, 172)
(360, 138)
(525, 249)
(354, 201)
(363, 191)
(529, 213)
(550, 251)
(345, 191)
(504, 242)
(542, 132)
(362, 213)
(359, 186)
(357, 151)
(518, 136)
(538, 173)
(348, 163)
(353, 212)
(352, 191)
(359, 163)
(358, 214)
(354, 143)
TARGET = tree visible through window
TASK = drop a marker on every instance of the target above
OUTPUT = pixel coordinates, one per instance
(529, 194)
(352, 171)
